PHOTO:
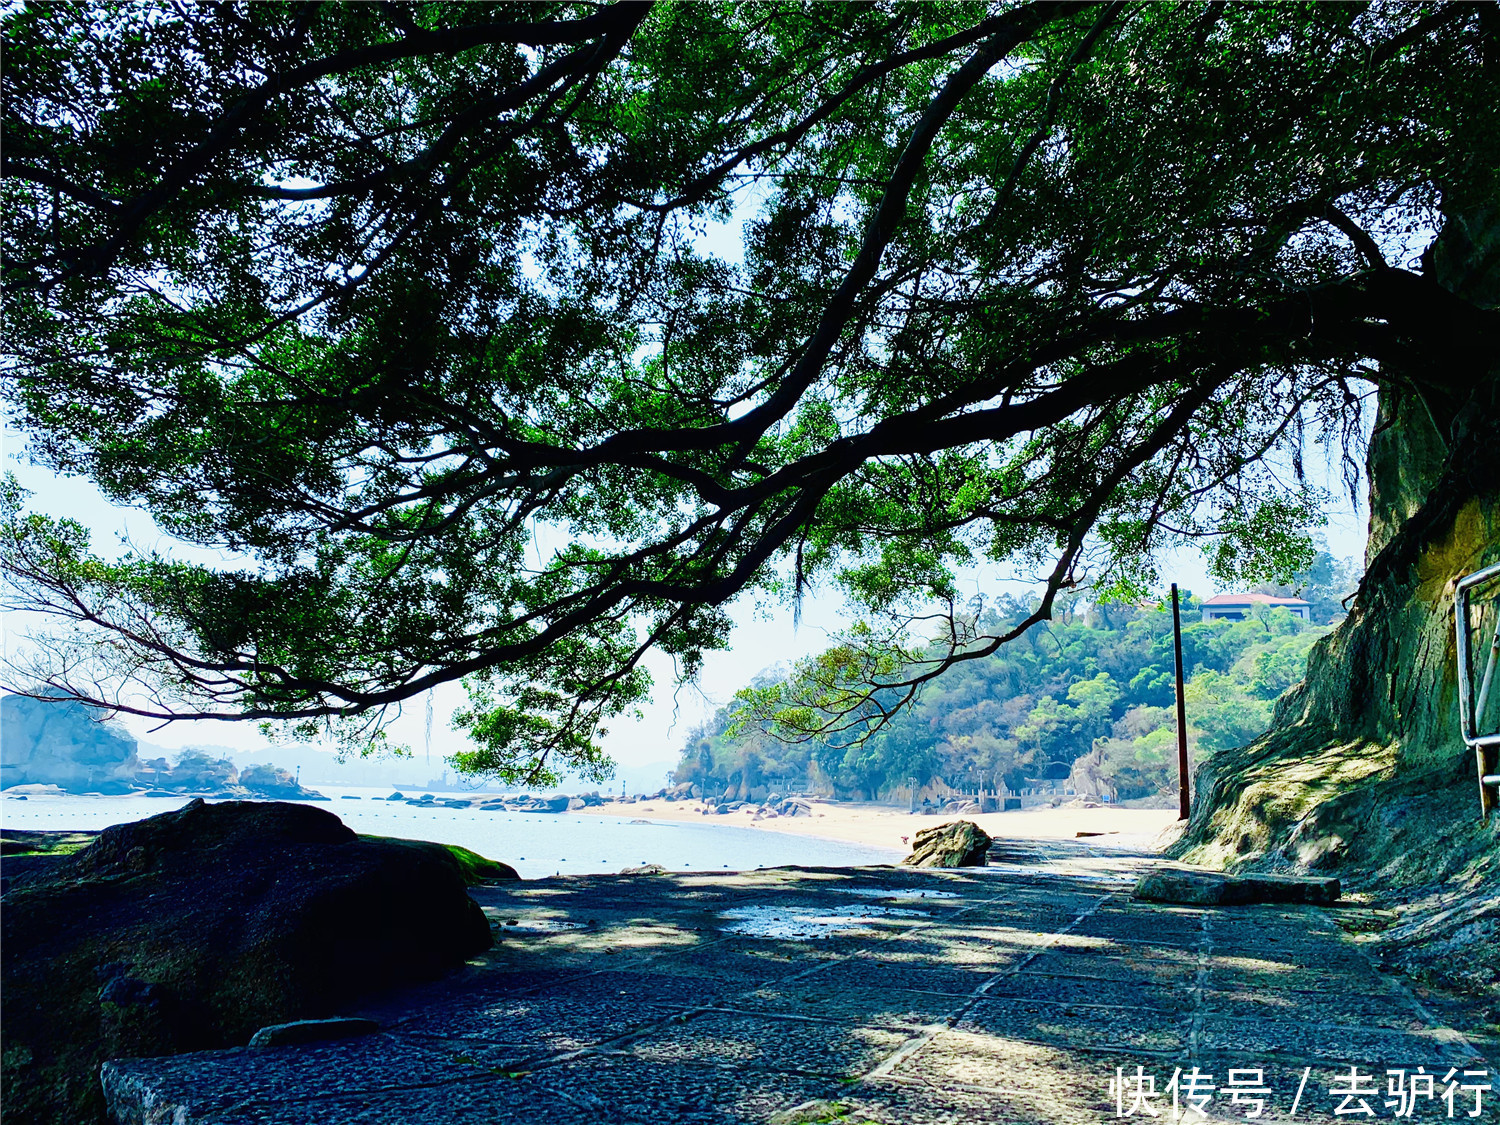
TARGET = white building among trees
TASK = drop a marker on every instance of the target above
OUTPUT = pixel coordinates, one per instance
(1237, 607)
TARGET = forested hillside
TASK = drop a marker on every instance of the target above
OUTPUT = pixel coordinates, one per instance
(1095, 680)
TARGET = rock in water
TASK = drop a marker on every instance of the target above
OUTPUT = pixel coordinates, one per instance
(960, 844)
(64, 744)
(272, 781)
(193, 929)
(196, 772)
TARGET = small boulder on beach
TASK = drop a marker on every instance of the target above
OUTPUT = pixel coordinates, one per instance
(959, 844)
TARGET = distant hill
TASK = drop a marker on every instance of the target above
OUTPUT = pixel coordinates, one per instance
(1085, 700)
(322, 767)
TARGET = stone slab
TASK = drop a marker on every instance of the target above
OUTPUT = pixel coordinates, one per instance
(1215, 888)
(871, 1007)
(204, 1085)
(1366, 1046)
(1077, 1026)
(299, 1032)
(767, 1042)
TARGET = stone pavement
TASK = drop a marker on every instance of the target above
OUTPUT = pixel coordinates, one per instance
(990, 995)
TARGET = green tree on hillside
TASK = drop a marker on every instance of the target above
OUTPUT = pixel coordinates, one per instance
(1039, 702)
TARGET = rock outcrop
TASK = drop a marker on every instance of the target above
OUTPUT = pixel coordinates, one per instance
(272, 781)
(195, 772)
(960, 844)
(63, 744)
(193, 929)
(199, 774)
(1364, 772)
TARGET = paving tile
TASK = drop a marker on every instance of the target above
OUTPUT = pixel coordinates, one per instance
(1144, 969)
(1023, 1069)
(911, 976)
(642, 1091)
(872, 1007)
(1154, 926)
(1326, 953)
(801, 1046)
(1388, 1010)
(718, 971)
(1092, 990)
(496, 1099)
(1077, 1026)
(658, 986)
(205, 1083)
(890, 1102)
(505, 1030)
(1039, 917)
(1378, 1046)
(1237, 974)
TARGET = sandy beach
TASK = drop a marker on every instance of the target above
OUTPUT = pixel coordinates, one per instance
(886, 826)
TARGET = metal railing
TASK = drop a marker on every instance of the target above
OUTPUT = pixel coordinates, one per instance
(1472, 705)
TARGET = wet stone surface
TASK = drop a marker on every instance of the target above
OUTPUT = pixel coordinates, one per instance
(1015, 993)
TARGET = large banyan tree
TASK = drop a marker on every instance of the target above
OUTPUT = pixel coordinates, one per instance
(505, 342)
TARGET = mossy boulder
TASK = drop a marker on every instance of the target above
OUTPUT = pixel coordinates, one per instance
(479, 871)
(191, 930)
(475, 869)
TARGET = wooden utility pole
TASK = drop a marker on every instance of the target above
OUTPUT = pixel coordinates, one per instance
(1184, 801)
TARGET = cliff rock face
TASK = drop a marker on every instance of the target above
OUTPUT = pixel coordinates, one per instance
(1363, 765)
(63, 744)
(1363, 769)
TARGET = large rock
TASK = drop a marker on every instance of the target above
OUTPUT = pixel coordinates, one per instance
(193, 929)
(273, 781)
(960, 844)
(65, 744)
(1215, 888)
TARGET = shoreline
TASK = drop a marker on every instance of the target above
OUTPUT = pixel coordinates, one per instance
(887, 829)
(892, 828)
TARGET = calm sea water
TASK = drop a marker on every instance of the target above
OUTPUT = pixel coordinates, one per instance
(535, 845)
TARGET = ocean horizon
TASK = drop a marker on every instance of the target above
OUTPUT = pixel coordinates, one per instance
(535, 844)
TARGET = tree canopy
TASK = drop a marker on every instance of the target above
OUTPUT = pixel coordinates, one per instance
(423, 313)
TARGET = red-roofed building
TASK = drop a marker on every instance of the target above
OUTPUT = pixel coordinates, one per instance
(1237, 607)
